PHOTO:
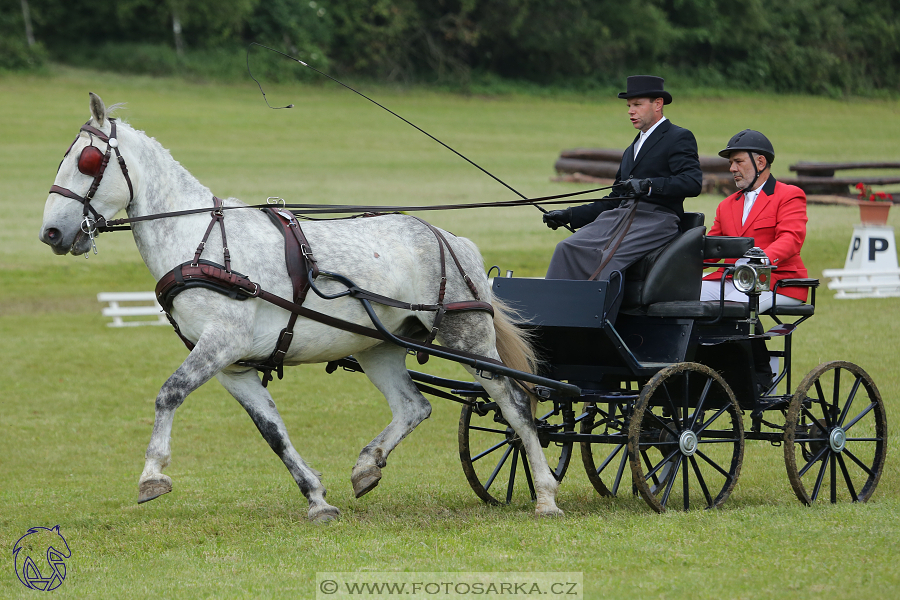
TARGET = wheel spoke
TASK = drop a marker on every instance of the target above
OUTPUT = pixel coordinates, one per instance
(609, 458)
(847, 479)
(487, 429)
(834, 479)
(859, 463)
(813, 461)
(491, 449)
(673, 476)
(686, 393)
(619, 473)
(860, 416)
(499, 466)
(823, 402)
(650, 466)
(850, 399)
(686, 488)
(512, 476)
(668, 396)
(821, 477)
(713, 418)
(664, 424)
(528, 479)
(701, 481)
(725, 473)
(836, 395)
(659, 466)
(699, 409)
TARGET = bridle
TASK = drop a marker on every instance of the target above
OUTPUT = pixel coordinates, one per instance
(93, 163)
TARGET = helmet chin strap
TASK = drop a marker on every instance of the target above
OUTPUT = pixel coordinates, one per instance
(749, 188)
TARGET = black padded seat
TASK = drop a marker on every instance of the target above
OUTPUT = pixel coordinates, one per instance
(698, 310)
(671, 273)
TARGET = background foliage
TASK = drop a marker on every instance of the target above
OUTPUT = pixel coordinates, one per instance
(833, 47)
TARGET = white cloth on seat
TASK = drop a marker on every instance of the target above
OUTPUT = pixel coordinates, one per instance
(710, 291)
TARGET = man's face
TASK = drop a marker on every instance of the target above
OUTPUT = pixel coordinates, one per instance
(644, 112)
(741, 168)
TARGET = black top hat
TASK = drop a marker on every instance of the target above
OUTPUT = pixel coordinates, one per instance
(646, 86)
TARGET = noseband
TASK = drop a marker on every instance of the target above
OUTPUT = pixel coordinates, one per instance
(91, 162)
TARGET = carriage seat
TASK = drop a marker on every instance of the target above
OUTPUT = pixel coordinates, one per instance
(671, 273)
(666, 283)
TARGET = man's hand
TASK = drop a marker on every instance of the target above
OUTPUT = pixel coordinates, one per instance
(558, 218)
(633, 188)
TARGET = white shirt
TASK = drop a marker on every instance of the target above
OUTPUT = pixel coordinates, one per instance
(749, 199)
(644, 136)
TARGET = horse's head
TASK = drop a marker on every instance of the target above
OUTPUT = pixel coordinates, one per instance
(91, 186)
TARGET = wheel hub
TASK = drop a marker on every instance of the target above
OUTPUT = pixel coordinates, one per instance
(687, 443)
(837, 439)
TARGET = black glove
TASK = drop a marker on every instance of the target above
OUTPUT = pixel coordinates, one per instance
(633, 188)
(558, 218)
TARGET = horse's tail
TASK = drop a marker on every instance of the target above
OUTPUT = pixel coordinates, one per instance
(513, 343)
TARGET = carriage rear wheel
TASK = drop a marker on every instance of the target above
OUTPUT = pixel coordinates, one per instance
(685, 439)
(493, 458)
(835, 432)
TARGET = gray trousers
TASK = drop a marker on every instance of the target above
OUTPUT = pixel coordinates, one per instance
(579, 255)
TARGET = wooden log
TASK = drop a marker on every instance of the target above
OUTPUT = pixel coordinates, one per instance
(594, 168)
(708, 164)
(818, 169)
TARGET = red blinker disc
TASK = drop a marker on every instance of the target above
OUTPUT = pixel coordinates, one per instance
(90, 161)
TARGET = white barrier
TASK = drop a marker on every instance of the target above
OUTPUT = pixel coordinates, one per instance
(871, 269)
(117, 312)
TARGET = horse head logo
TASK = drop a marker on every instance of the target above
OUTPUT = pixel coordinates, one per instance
(39, 557)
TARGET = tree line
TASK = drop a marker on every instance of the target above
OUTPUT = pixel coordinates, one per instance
(806, 46)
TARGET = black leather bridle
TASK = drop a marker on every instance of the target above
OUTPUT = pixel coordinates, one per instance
(93, 163)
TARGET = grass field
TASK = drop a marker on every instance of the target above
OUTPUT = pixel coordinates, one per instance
(76, 397)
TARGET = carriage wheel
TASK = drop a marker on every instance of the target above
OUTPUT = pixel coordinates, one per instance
(685, 439)
(836, 431)
(605, 472)
(493, 457)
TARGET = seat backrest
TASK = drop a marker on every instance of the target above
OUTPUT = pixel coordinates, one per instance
(676, 257)
(690, 220)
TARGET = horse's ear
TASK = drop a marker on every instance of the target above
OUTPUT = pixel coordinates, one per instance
(98, 109)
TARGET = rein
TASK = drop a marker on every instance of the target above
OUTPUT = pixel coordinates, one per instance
(300, 210)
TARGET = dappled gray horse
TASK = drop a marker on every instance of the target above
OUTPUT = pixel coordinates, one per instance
(394, 255)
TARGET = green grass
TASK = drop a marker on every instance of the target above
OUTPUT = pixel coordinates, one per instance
(76, 397)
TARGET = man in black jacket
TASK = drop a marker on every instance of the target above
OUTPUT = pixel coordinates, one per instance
(658, 170)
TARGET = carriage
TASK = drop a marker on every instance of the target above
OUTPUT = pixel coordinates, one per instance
(634, 370)
(664, 383)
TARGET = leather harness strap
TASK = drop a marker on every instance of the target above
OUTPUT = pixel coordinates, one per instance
(301, 264)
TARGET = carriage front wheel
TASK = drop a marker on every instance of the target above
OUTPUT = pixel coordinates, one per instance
(835, 433)
(493, 458)
(685, 439)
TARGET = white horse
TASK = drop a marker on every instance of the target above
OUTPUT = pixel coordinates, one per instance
(396, 256)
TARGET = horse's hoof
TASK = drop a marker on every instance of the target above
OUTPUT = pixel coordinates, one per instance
(366, 480)
(548, 512)
(323, 514)
(154, 488)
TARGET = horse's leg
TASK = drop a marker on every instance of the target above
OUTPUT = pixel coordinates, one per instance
(211, 354)
(247, 389)
(385, 366)
(474, 332)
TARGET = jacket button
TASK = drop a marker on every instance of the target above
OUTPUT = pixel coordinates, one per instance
(631, 177)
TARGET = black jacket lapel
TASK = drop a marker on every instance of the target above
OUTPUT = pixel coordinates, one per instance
(654, 139)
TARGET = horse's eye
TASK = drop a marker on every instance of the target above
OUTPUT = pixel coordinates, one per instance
(90, 161)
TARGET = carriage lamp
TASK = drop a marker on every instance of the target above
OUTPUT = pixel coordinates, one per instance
(754, 276)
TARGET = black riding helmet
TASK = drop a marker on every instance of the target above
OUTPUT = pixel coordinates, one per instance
(750, 141)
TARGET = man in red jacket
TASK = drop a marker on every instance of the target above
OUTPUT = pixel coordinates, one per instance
(771, 212)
